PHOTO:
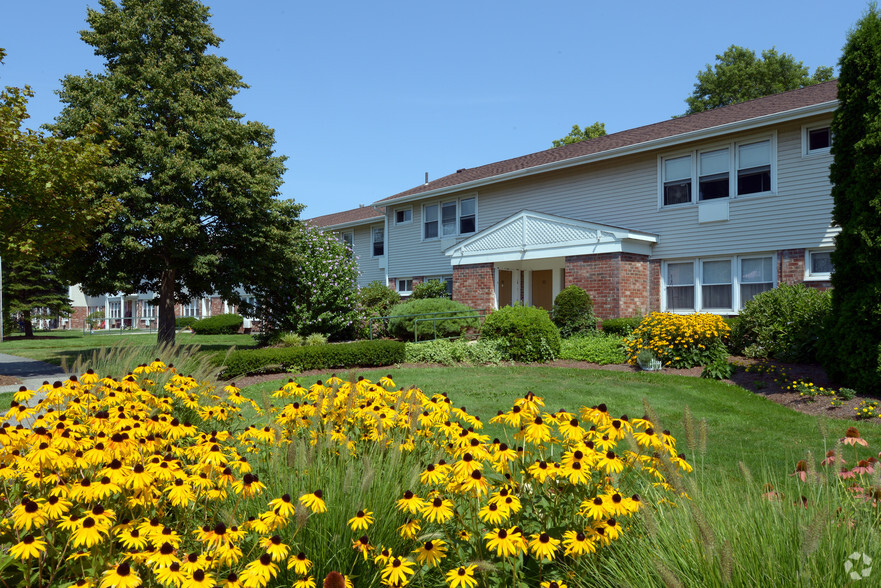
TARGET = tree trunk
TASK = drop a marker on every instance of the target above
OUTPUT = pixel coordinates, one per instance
(28, 325)
(166, 308)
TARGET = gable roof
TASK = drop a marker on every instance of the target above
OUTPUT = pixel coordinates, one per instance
(349, 218)
(720, 119)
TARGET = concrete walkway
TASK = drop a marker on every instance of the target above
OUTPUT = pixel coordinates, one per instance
(31, 372)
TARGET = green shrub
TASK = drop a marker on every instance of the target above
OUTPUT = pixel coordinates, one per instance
(785, 323)
(375, 299)
(430, 289)
(526, 332)
(315, 339)
(446, 352)
(403, 326)
(595, 347)
(291, 340)
(573, 311)
(679, 340)
(718, 369)
(621, 326)
(221, 324)
(315, 357)
(184, 322)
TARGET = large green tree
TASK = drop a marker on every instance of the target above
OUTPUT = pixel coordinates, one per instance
(49, 196)
(852, 346)
(32, 290)
(738, 75)
(197, 184)
(577, 134)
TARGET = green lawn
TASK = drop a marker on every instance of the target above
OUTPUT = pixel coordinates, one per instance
(66, 346)
(740, 425)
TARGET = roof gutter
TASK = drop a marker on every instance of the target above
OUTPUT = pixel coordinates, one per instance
(745, 125)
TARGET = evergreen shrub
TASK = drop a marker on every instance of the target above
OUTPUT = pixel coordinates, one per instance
(429, 289)
(221, 324)
(527, 333)
(315, 357)
(573, 311)
(403, 326)
(621, 326)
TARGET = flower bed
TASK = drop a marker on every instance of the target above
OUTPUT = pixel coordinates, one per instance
(154, 479)
(679, 340)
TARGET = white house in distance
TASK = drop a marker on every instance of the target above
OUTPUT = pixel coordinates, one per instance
(698, 213)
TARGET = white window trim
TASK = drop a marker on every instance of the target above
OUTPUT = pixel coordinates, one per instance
(733, 154)
(373, 242)
(440, 228)
(406, 222)
(806, 150)
(810, 275)
(403, 292)
(735, 260)
(351, 234)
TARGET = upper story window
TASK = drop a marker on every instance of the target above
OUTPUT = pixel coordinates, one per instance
(403, 216)
(378, 234)
(348, 237)
(449, 219)
(817, 139)
(741, 168)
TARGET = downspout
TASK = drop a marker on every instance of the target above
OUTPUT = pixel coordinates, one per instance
(385, 246)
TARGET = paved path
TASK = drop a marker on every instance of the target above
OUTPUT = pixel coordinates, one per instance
(31, 372)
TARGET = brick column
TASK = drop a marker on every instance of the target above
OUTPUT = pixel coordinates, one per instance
(790, 266)
(474, 285)
(618, 283)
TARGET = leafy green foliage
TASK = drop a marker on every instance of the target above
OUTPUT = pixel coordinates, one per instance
(785, 323)
(851, 350)
(577, 134)
(526, 332)
(573, 311)
(291, 340)
(221, 324)
(403, 326)
(446, 352)
(718, 369)
(621, 326)
(48, 191)
(739, 75)
(315, 357)
(376, 299)
(184, 322)
(595, 347)
(29, 287)
(317, 295)
(195, 185)
(315, 339)
(429, 289)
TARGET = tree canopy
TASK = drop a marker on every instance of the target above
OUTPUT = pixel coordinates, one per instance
(851, 348)
(49, 196)
(577, 134)
(196, 184)
(739, 75)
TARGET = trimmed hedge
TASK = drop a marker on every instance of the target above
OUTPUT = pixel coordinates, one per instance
(184, 322)
(621, 326)
(315, 357)
(221, 324)
(403, 327)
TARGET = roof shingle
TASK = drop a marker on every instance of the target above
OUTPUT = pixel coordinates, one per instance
(348, 216)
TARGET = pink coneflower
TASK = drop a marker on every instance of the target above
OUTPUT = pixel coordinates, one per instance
(801, 470)
(852, 437)
(846, 474)
(863, 467)
(832, 459)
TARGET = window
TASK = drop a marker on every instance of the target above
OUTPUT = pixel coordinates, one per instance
(449, 219)
(818, 265)
(405, 286)
(755, 277)
(403, 216)
(348, 238)
(720, 285)
(716, 284)
(754, 168)
(115, 308)
(148, 309)
(192, 308)
(680, 286)
(467, 216)
(739, 169)
(677, 180)
(817, 140)
(378, 241)
(430, 222)
(713, 182)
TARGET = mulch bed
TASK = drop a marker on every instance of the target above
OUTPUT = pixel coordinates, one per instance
(771, 383)
(9, 381)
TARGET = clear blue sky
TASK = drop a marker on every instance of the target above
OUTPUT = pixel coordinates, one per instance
(365, 97)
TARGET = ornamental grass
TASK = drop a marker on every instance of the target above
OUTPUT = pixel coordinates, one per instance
(679, 340)
(153, 479)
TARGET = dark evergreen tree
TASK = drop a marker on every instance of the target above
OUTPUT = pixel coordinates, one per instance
(851, 348)
(197, 184)
(32, 290)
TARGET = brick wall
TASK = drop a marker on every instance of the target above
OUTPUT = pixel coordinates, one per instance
(790, 266)
(618, 283)
(216, 305)
(78, 318)
(654, 285)
(474, 285)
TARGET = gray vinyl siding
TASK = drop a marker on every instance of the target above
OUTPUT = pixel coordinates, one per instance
(369, 265)
(624, 192)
